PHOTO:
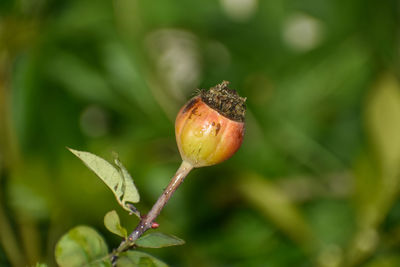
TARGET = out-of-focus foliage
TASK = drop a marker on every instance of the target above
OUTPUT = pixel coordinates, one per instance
(137, 258)
(316, 181)
(82, 246)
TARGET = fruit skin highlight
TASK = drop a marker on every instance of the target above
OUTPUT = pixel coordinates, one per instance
(210, 127)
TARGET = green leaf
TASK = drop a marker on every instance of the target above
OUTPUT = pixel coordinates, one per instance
(158, 240)
(146, 262)
(118, 180)
(131, 193)
(40, 264)
(388, 260)
(82, 246)
(112, 223)
(383, 118)
(378, 172)
(137, 258)
(276, 205)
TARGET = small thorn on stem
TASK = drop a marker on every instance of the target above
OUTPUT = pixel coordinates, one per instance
(154, 225)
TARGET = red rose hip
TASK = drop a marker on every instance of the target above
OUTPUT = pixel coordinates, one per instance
(210, 127)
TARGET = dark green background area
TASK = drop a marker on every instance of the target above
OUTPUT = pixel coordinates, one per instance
(316, 181)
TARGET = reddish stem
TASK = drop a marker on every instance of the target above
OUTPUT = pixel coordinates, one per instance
(147, 221)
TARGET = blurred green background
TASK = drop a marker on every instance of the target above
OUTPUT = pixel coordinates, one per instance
(316, 181)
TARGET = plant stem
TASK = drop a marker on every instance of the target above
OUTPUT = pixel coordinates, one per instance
(9, 242)
(8, 157)
(147, 220)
